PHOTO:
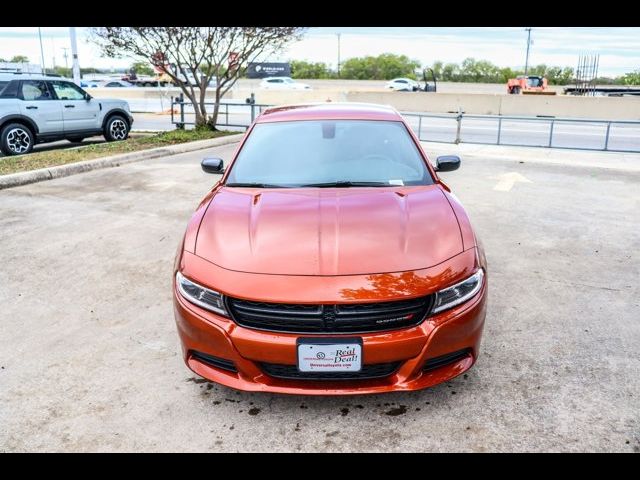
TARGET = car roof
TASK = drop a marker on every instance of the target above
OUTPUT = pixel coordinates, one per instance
(29, 76)
(271, 78)
(329, 111)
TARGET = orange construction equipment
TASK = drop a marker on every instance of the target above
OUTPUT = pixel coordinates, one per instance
(529, 85)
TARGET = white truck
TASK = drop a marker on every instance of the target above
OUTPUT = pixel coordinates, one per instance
(39, 108)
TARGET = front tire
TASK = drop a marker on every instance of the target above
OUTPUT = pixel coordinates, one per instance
(16, 139)
(116, 129)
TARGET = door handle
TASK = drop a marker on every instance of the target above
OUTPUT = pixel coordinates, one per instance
(69, 106)
(32, 107)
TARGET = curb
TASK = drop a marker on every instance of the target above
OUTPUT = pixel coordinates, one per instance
(33, 176)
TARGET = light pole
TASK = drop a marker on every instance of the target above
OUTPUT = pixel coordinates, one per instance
(66, 61)
(74, 56)
(338, 55)
(526, 62)
(44, 70)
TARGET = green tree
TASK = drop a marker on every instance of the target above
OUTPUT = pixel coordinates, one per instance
(383, 67)
(142, 68)
(631, 78)
(309, 70)
(20, 59)
(451, 72)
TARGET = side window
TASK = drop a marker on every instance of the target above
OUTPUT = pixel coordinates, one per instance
(274, 80)
(34, 90)
(11, 90)
(401, 81)
(68, 91)
(2, 85)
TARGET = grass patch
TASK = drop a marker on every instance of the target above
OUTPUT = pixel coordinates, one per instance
(52, 158)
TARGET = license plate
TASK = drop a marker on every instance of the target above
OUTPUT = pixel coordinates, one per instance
(329, 355)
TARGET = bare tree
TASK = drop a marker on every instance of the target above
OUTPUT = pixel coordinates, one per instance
(200, 54)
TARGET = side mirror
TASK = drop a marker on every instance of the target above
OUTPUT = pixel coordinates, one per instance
(447, 163)
(212, 165)
(87, 97)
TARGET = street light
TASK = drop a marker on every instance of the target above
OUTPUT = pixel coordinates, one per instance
(526, 62)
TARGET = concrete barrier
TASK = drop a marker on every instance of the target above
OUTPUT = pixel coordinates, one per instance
(607, 108)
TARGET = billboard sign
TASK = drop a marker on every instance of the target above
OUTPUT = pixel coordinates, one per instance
(268, 69)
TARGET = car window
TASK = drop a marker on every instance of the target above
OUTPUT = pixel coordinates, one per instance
(68, 91)
(112, 84)
(10, 90)
(299, 153)
(34, 90)
(401, 81)
(2, 85)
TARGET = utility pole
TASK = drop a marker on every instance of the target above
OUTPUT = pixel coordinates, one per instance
(66, 57)
(526, 62)
(44, 70)
(74, 56)
(338, 55)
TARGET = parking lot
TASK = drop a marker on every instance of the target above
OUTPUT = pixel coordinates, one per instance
(89, 355)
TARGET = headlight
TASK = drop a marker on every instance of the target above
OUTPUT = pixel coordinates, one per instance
(201, 296)
(458, 293)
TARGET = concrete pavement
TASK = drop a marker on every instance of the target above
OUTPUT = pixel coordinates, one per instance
(89, 359)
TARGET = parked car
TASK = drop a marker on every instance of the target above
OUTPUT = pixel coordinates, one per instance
(282, 83)
(37, 109)
(117, 84)
(403, 85)
(91, 83)
(330, 258)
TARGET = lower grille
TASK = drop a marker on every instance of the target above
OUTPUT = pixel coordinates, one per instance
(449, 358)
(291, 372)
(216, 362)
(339, 318)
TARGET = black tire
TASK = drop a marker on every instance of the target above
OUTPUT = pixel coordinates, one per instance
(76, 139)
(515, 90)
(16, 139)
(116, 128)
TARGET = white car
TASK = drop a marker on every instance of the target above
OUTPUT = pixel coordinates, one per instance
(282, 83)
(403, 85)
(117, 84)
(39, 108)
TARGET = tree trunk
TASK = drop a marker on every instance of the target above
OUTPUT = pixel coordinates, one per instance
(213, 120)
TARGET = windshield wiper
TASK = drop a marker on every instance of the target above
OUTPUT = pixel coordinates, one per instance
(254, 185)
(347, 184)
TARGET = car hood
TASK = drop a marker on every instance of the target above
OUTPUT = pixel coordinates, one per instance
(328, 231)
(114, 102)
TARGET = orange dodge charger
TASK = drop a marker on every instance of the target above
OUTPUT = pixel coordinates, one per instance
(330, 259)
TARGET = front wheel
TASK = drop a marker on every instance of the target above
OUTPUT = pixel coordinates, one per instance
(16, 139)
(116, 129)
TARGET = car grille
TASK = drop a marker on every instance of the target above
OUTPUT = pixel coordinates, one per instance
(291, 372)
(341, 318)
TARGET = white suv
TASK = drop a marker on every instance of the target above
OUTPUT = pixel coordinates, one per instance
(37, 108)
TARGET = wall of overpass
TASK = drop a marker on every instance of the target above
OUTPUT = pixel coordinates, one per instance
(608, 108)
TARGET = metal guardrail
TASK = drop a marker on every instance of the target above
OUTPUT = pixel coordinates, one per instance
(255, 109)
(560, 132)
(508, 130)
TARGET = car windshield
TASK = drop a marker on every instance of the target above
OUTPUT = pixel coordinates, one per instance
(329, 153)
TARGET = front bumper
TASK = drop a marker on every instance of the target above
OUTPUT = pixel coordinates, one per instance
(450, 331)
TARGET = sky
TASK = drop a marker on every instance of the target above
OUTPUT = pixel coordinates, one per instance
(619, 47)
